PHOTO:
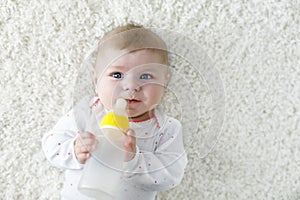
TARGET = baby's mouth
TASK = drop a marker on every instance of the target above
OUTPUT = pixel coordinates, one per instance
(132, 101)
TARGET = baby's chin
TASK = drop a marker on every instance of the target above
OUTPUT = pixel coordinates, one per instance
(139, 116)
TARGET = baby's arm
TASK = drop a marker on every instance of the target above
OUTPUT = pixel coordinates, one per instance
(162, 169)
(58, 144)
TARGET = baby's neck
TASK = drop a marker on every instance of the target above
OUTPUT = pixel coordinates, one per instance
(143, 117)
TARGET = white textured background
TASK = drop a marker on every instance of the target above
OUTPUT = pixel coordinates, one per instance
(254, 45)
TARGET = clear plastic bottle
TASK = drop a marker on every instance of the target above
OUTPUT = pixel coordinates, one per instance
(102, 172)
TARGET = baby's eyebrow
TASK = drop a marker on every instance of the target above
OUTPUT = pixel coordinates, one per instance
(115, 67)
(151, 67)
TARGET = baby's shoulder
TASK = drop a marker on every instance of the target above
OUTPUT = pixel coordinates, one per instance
(166, 121)
(172, 120)
(171, 123)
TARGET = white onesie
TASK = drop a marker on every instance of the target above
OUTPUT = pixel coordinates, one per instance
(158, 164)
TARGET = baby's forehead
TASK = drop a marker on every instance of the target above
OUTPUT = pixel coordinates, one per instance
(142, 56)
(145, 58)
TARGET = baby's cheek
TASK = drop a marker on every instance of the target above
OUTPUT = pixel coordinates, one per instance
(156, 92)
(105, 93)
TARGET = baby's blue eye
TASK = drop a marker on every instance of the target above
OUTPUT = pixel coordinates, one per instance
(117, 75)
(146, 76)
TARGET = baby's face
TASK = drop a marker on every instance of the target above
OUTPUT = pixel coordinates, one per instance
(139, 77)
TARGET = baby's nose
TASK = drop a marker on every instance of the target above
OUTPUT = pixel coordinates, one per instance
(130, 83)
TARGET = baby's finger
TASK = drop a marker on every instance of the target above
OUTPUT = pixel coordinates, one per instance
(129, 145)
(89, 141)
(130, 132)
(82, 157)
(86, 139)
(131, 137)
(131, 141)
(87, 148)
(85, 135)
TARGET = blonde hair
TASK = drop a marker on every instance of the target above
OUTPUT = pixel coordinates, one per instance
(133, 38)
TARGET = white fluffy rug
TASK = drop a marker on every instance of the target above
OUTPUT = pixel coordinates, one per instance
(253, 44)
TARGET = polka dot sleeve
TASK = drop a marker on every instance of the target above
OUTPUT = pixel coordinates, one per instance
(162, 169)
(58, 144)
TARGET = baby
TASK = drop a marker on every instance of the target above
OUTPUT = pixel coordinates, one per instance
(131, 64)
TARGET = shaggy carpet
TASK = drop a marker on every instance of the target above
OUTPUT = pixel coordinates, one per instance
(237, 95)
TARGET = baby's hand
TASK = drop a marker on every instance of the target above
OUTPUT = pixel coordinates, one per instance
(83, 145)
(130, 145)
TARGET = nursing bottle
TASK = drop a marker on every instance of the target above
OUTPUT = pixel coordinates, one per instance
(102, 172)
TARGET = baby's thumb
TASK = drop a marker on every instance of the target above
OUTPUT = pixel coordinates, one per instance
(130, 133)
